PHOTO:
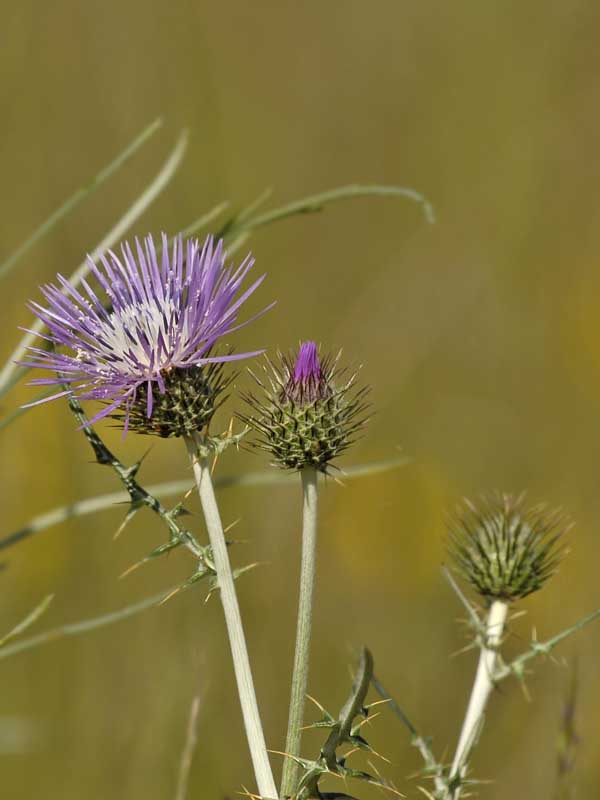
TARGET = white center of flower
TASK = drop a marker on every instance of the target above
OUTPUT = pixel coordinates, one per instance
(144, 335)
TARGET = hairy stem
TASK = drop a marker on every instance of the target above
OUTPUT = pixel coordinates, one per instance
(233, 619)
(301, 657)
(482, 688)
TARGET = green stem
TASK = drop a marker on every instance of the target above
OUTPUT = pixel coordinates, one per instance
(301, 657)
(241, 663)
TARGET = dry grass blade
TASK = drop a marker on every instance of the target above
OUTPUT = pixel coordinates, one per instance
(83, 626)
(191, 740)
(11, 372)
(29, 620)
(76, 198)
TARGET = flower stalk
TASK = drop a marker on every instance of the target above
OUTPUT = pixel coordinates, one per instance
(307, 414)
(482, 688)
(303, 630)
(241, 662)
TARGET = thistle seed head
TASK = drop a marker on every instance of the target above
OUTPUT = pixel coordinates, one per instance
(505, 549)
(309, 411)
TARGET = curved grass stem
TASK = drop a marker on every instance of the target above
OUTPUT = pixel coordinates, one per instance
(233, 619)
(303, 630)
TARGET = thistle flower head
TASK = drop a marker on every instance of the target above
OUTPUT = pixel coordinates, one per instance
(505, 549)
(143, 344)
(308, 412)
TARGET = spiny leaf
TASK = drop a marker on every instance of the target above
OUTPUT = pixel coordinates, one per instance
(433, 768)
(238, 572)
(516, 667)
(343, 731)
(139, 496)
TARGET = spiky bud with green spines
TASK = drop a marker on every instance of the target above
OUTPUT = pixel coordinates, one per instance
(504, 548)
(190, 398)
(310, 411)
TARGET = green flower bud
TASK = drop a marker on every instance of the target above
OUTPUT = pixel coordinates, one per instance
(309, 411)
(503, 548)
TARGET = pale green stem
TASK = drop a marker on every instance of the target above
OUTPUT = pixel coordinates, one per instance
(233, 619)
(482, 688)
(301, 657)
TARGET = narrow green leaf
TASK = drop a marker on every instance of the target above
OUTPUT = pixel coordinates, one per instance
(317, 202)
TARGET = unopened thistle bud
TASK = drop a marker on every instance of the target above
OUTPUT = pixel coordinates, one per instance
(310, 411)
(505, 549)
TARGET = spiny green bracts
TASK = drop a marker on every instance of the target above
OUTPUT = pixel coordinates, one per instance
(310, 411)
(505, 549)
(191, 397)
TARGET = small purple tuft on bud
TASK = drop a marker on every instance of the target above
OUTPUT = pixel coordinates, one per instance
(310, 411)
(307, 382)
(308, 366)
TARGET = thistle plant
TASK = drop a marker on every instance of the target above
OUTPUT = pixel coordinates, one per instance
(505, 550)
(148, 344)
(149, 347)
(308, 413)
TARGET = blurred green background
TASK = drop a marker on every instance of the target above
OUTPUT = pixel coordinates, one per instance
(480, 337)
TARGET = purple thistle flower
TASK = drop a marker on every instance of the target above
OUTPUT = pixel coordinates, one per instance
(158, 316)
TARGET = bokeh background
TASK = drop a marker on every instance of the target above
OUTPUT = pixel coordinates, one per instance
(480, 336)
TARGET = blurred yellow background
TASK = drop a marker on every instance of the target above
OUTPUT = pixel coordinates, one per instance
(480, 336)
